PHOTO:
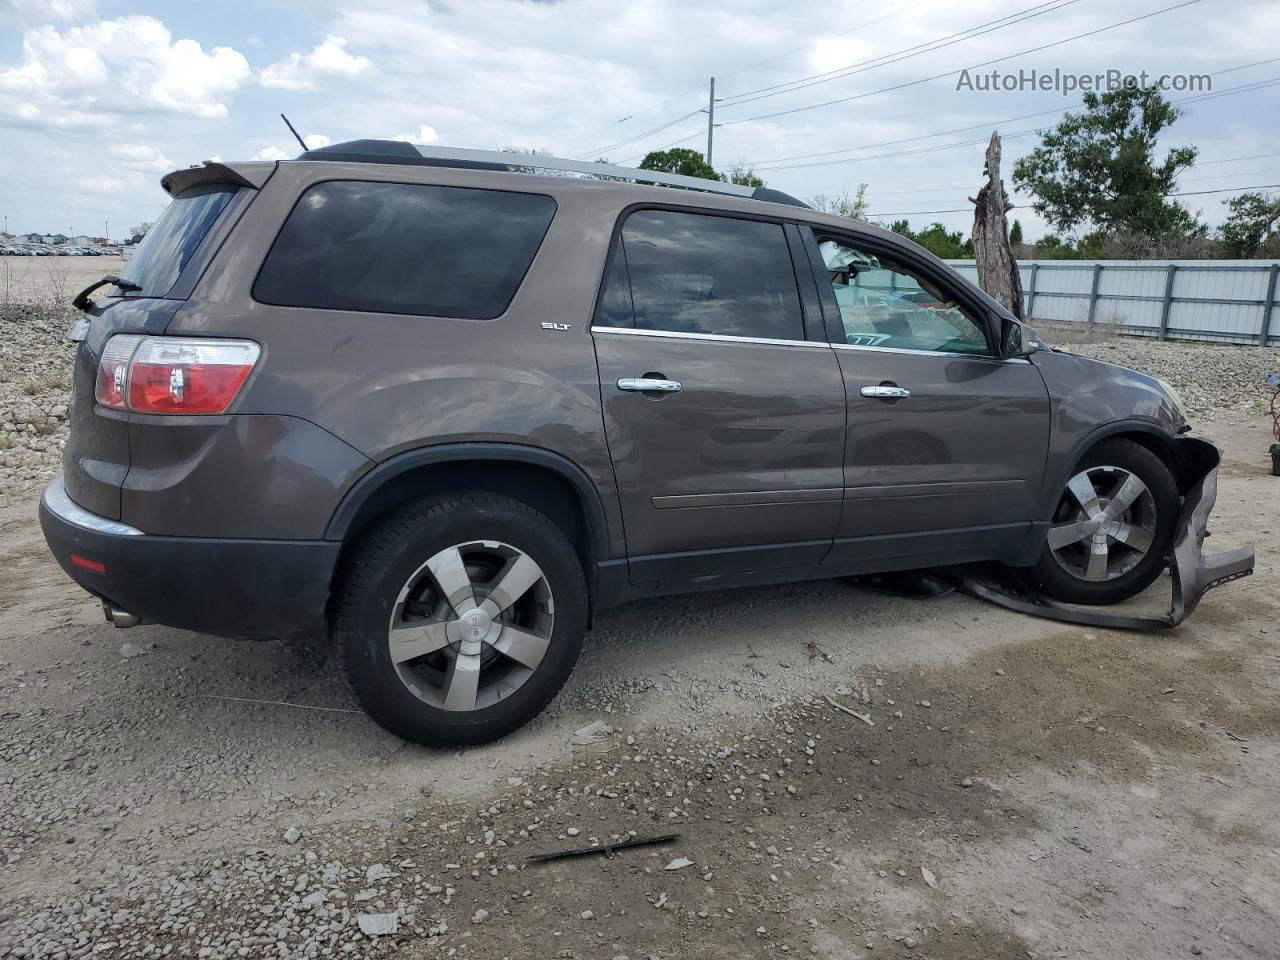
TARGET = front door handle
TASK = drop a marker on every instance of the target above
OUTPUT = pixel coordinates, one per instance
(886, 392)
(649, 385)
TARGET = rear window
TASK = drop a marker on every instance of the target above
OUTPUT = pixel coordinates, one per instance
(169, 245)
(404, 248)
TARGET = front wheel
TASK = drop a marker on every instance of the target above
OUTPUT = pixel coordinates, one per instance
(1112, 526)
(459, 618)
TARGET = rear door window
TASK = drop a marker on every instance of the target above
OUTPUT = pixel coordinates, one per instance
(405, 248)
(699, 273)
(174, 239)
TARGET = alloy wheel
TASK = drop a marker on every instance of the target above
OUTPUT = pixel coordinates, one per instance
(1105, 524)
(471, 625)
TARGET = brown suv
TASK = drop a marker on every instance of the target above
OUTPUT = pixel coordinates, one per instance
(445, 407)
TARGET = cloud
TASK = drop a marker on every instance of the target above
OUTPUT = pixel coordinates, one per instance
(271, 153)
(303, 71)
(101, 184)
(139, 156)
(42, 11)
(425, 134)
(128, 65)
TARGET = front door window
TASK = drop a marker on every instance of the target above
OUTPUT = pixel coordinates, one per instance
(883, 304)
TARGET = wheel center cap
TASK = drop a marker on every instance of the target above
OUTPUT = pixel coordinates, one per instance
(474, 625)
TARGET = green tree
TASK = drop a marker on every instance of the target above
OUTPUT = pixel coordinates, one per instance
(1015, 234)
(948, 245)
(743, 176)
(854, 206)
(1251, 228)
(681, 160)
(1098, 168)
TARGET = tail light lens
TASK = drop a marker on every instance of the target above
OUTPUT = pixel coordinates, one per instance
(175, 375)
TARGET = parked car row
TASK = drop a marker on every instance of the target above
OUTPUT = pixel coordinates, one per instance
(51, 250)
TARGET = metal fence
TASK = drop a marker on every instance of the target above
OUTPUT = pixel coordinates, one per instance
(1228, 301)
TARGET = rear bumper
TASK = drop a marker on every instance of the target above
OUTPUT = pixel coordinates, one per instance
(226, 587)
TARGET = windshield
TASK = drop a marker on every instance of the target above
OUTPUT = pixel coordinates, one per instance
(173, 241)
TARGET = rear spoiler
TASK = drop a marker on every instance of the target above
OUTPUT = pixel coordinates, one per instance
(252, 175)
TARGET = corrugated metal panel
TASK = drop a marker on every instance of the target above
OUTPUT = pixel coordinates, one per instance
(1218, 300)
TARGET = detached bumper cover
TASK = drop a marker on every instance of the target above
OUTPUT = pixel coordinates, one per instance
(225, 587)
(1192, 571)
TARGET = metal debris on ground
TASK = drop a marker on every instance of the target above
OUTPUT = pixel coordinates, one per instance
(606, 848)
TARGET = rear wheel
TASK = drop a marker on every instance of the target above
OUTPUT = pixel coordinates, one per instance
(460, 618)
(1112, 526)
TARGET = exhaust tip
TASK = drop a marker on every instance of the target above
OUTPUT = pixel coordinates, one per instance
(121, 619)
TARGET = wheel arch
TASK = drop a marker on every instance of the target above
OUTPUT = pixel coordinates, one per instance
(1144, 433)
(546, 481)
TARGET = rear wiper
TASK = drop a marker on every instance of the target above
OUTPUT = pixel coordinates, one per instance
(81, 301)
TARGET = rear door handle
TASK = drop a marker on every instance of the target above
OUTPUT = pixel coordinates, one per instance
(648, 385)
(884, 392)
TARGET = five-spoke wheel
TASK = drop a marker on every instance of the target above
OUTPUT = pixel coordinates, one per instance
(460, 617)
(471, 625)
(1112, 526)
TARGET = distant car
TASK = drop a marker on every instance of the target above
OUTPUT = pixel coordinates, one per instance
(442, 409)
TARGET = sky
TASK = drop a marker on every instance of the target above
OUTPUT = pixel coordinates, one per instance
(99, 98)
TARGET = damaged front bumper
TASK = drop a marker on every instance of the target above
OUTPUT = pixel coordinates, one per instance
(1192, 571)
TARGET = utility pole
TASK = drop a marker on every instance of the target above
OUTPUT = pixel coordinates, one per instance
(711, 118)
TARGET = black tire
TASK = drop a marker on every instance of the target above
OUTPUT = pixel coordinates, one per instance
(1062, 585)
(387, 558)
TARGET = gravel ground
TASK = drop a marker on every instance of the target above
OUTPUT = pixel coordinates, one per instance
(1023, 789)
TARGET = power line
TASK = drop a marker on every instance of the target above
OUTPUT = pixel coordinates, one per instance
(640, 136)
(1029, 116)
(762, 166)
(898, 56)
(976, 66)
(829, 36)
(1024, 206)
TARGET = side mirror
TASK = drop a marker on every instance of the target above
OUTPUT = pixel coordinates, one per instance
(1016, 339)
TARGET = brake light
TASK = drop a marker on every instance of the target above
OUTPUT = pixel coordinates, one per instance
(174, 375)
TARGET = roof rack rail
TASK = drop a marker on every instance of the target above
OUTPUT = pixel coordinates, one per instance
(397, 151)
(540, 162)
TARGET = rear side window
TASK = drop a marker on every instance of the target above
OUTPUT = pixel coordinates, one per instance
(169, 245)
(697, 273)
(404, 248)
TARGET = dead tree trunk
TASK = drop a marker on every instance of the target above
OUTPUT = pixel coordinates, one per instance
(997, 270)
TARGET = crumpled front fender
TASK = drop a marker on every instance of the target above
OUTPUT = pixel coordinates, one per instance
(1192, 571)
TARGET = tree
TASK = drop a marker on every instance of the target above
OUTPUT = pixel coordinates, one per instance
(1098, 168)
(997, 270)
(947, 245)
(1015, 234)
(743, 176)
(141, 230)
(681, 160)
(944, 244)
(1251, 229)
(854, 207)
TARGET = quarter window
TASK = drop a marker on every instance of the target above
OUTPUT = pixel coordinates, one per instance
(883, 304)
(698, 273)
(404, 248)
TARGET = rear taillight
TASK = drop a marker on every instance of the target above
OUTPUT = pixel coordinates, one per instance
(176, 375)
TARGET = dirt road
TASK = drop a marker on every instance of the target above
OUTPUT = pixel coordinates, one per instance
(1027, 789)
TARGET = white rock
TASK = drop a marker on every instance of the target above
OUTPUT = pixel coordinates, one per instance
(378, 924)
(292, 835)
(679, 863)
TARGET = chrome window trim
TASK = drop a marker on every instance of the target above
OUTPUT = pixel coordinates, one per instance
(57, 502)
(714, 337)
(930, 353)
